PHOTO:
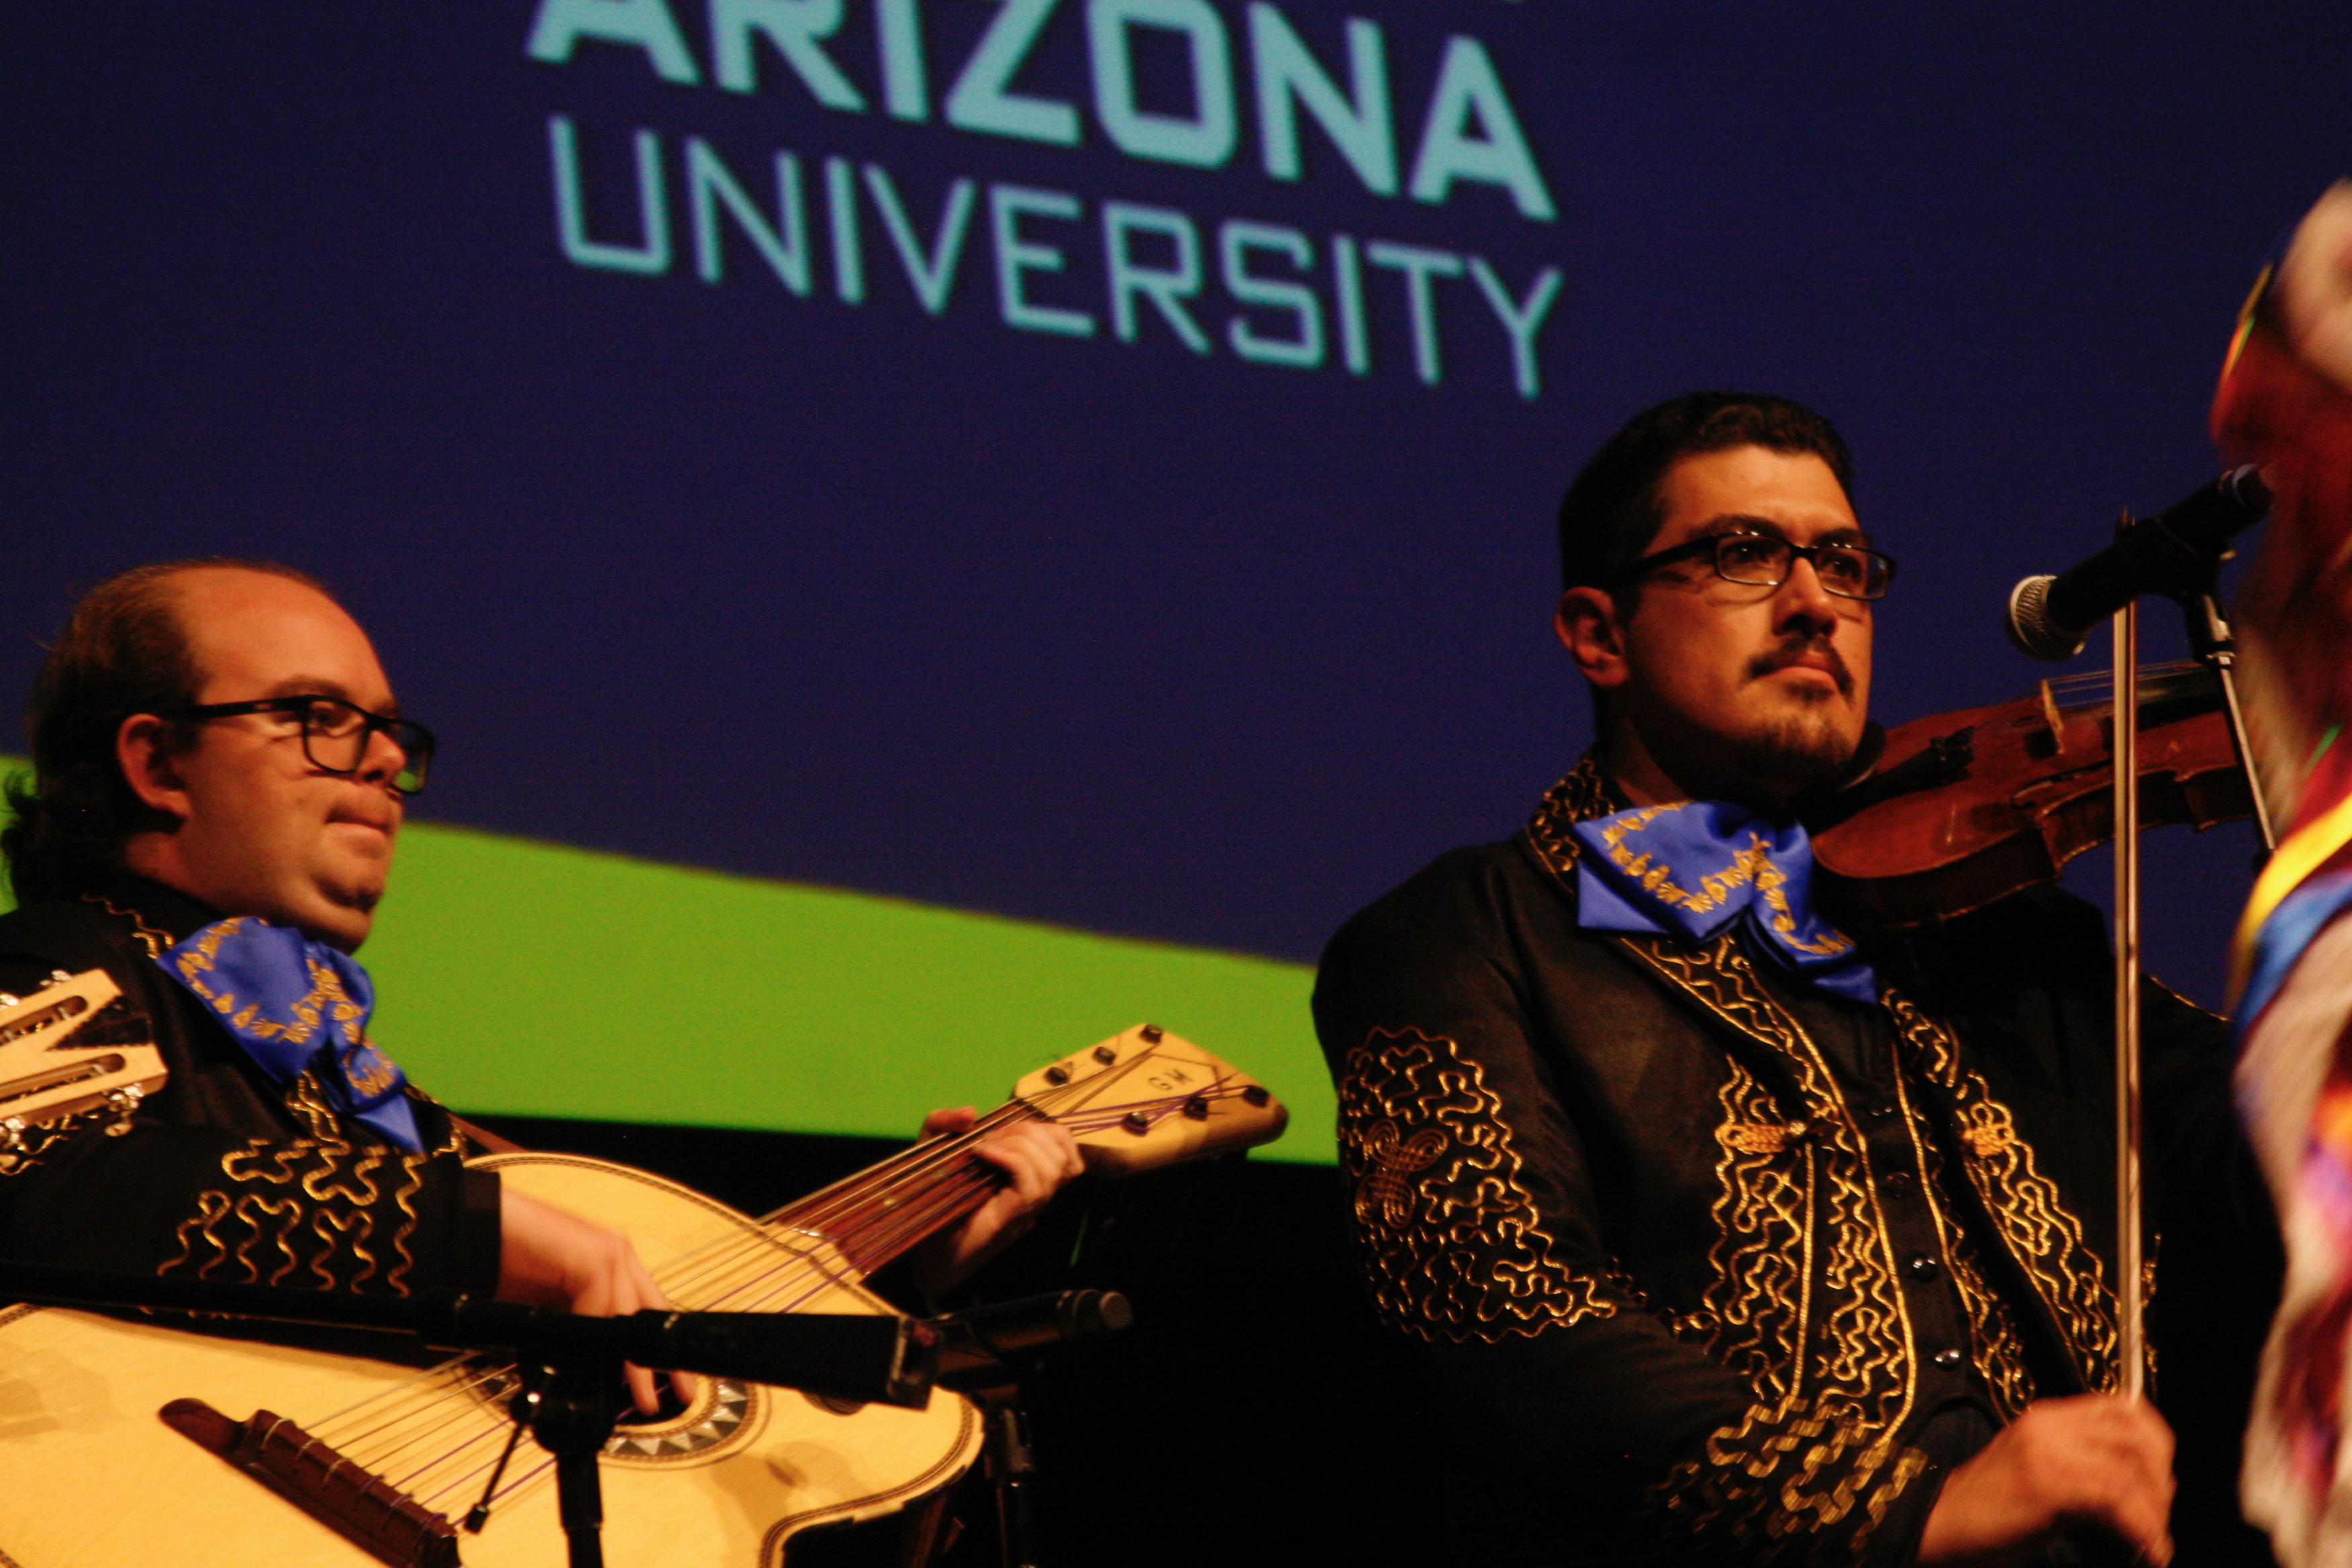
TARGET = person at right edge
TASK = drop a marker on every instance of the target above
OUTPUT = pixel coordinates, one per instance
(1721, 1229)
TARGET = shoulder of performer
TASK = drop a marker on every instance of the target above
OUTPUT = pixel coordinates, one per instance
(1464, 892)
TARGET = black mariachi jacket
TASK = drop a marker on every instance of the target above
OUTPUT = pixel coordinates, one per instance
(222, 1175)
(1685, 1288)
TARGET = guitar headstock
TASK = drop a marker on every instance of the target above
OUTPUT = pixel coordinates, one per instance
(46, 1077)
(1146, 1098)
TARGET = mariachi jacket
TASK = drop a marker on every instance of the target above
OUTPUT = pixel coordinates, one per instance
(222, 1175)
(1690, 1283)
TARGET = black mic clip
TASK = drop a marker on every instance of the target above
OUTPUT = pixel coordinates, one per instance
(984, 1347)
(2175, 553)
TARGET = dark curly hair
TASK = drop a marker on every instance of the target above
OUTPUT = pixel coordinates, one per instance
(123, 651)
(1612, 510)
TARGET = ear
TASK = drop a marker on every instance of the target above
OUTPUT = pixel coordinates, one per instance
(1587, 625)
(139, 749)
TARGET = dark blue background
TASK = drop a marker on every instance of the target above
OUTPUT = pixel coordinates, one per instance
(1093, 632)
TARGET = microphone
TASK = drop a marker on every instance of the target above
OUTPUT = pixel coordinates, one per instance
(2172, 552)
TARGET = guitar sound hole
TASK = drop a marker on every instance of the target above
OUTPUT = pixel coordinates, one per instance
(669, 1408)
(688, 1430)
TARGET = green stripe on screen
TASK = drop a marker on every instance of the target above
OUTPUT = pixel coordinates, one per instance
(537, 980)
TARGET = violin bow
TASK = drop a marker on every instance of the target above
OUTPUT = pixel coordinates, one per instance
(2131, 1294)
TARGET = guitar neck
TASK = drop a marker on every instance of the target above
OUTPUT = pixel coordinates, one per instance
(886, 1210)
(1139, 1100)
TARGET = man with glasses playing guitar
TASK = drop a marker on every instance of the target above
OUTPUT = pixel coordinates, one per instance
(1722, 1229)
(220, 769)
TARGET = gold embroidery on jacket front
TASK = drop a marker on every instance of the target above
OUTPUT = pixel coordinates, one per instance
(1862, 1351)
(1450, 1240)
(2026, 1207)
(1581, 796)
(1803, 1299)
(1996, 1345)
(1820, 1438)
(1752, 1317)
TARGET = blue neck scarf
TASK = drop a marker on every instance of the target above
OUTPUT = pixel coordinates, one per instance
(1690, 871)
(296, 1005)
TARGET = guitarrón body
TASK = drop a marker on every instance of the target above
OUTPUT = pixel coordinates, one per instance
(94, 1479)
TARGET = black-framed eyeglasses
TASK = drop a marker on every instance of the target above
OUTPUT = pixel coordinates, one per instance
(1763, 561)
(335, 734)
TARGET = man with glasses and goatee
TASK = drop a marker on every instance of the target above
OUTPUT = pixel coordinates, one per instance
(219, 774)
(1723, 1228)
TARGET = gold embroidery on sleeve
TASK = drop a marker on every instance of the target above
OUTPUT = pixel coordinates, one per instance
(1451, 1237)
(1760, 1482)
(212, 1208)
(335, 1232)
(337, 1186)
(412, 1170)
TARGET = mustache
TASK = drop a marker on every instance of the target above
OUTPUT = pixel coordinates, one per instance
(1799, 646)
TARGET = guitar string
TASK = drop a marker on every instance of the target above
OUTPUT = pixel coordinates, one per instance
(931, 1209)
(870, 1244)
(824, 1208)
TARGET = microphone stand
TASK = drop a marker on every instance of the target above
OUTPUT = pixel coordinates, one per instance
(2215, 646)
(571, 1365)
(983, 1353)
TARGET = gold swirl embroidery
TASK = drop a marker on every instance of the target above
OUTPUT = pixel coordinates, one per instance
(1752, 1318)
(1760, 1482)
(289, 1214)
(310, 1108)
(240, 1166)
(323, 1183)
(1463, 1254)
(1581, 796)
(412, 1170)
(1862, 1357)
(1808, 1184)
(1384, 1196)
(212, 1208)
(2027, 1208)
(154, 941)
(335, 1232)
(341, 1185)
(1996, 1345)
(454, 1140)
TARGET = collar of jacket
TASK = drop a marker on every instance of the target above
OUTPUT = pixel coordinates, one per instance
(147, 906)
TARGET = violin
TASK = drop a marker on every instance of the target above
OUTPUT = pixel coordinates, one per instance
(1964, 809)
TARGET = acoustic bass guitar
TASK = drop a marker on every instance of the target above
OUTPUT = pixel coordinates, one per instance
(125, 1443)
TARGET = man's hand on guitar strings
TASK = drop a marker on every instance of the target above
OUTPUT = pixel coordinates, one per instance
(550, 1257)
(1038, 1157)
